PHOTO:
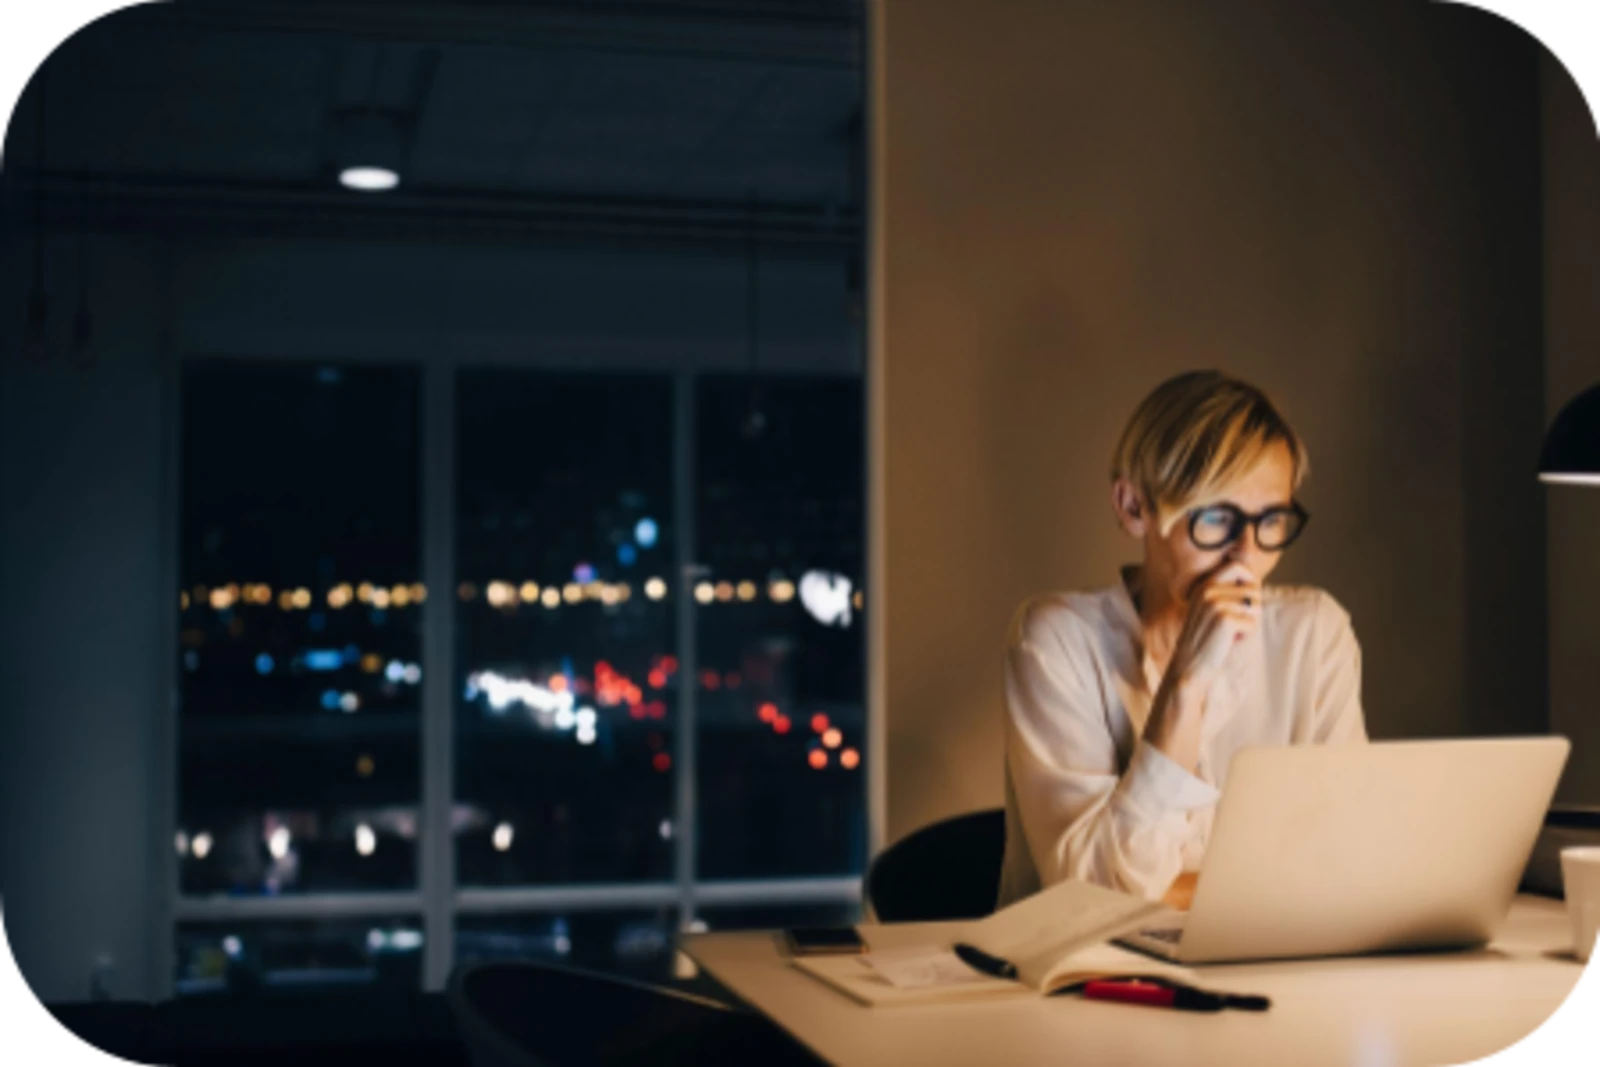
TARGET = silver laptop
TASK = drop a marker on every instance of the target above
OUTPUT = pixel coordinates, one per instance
(1331, 850)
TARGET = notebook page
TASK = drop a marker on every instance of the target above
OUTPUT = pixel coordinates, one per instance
(1037, 932)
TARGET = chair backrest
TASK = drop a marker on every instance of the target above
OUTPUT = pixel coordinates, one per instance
(524, 1014)
(950, 870)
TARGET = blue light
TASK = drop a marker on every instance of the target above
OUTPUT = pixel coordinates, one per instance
(646, 532)
(330, 699)
(378, 616)
(583, 573)
(395, 671)
(324, 659)
(264, 664)
(317, 621)
(352, 654)
(626, 555)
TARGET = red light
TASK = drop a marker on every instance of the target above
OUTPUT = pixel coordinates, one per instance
(661, 762)
(658, 710)
(768, 712)
(818, 759)
(602, 669)
(558, 683)
(819, 722)
(710, 680)
(849, 759)
(669, 664)
(658, 679)
(733, 681)
(781, 724)
(632, 695)
(636, 713)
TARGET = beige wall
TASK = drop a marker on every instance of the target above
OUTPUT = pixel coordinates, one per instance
(1074, 200)
(1572, 267)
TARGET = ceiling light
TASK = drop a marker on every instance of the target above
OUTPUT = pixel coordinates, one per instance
(370, 148)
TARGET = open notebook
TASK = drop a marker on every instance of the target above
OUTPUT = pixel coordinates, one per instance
(1057, 938)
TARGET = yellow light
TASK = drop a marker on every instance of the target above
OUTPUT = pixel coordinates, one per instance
(572, 592)
(364, 592)
(624, 592)
(530, 592)
(380, 599)
(365, 766)
(595, 590)
(747, 591)
(655, 589)
(704, 593)
(467, 591)
(302, 598)
(339, 596)
(419, 593)
(220, 600)
(781, 591)
(857, 600)
(286, 600)
(233, 591)
(400, 595)
(183, 601)
(551, 597)
(832, 738)
(372, 663)
(610, 595)
(500, 594)
(724, 591)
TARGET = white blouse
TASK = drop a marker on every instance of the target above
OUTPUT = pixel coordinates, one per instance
(1086, 797)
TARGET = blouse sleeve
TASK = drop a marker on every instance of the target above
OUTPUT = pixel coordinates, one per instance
(1337, 696)
(1083, 815)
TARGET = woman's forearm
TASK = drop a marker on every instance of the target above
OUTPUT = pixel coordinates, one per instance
(1176, 715)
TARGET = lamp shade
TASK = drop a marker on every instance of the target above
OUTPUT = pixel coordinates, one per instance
(1571, 454)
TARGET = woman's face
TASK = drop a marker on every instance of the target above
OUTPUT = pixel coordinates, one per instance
(1179, 563)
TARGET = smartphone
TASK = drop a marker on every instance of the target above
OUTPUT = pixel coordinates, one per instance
(824, 941)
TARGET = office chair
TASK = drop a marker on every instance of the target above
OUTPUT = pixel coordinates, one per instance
(522, 1014)
(949, 870)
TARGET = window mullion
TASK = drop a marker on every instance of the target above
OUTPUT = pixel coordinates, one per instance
(436, 839)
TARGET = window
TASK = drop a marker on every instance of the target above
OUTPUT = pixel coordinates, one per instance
(301, 609)
(780, 531)
(565, 543)
(595, 657)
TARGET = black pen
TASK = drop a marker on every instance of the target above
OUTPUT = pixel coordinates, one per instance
(980, 960)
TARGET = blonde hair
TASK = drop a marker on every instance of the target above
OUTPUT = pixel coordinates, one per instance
(1193, 435)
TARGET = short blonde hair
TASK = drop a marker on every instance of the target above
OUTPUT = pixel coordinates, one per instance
(1193, 435)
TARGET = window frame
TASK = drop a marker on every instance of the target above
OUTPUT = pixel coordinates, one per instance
(437, 901)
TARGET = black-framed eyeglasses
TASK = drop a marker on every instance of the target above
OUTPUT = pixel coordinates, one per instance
(1219, 525)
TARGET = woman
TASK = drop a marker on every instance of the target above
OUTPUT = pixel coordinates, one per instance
(1125, 706)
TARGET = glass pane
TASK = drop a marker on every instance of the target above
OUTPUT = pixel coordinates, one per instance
(781, 698)
(241, 957)
(565, 632)
(300, 650)
(636, 943)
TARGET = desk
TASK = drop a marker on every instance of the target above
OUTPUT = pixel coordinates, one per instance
(1433, 1008)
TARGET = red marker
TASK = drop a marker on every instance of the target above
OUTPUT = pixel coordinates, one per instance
(1161, 994)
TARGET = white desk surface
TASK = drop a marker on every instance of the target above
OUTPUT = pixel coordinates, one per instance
(1436, 1008)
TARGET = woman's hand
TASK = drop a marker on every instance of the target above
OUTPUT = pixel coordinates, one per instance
(1224, 609)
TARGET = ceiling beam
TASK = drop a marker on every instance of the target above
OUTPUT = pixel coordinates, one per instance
(815, 34)
(135, 205)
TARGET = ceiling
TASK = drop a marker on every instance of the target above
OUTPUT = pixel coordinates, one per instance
(730, 114)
